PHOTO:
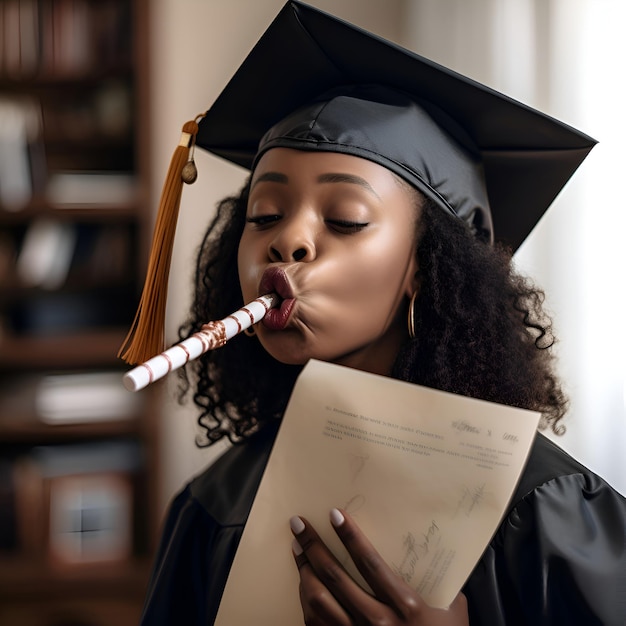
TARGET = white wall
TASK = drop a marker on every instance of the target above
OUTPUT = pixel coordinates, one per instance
(567, 58)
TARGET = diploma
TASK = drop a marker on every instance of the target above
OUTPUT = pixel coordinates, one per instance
(212, 335)
(426, 474)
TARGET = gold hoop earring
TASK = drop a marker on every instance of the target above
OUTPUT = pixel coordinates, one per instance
(250, 331)
(411, 318)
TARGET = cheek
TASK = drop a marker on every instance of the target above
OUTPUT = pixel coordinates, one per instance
(246, 268)
(379, 270)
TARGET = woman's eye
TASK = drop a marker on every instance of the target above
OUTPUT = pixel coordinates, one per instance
(262, 220)
(346, 226)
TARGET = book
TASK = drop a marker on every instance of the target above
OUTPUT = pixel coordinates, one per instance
(86, 397)
(108, 189)
(15, 174)
(46, 254)
(70, 504)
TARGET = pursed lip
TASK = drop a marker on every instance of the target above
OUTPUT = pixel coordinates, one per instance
(275, 280)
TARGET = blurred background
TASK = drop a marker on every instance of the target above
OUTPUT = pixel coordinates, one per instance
(93, 95)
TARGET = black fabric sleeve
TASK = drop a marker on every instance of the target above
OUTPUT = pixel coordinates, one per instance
(201, 533)
(558, 558)
(191, 568)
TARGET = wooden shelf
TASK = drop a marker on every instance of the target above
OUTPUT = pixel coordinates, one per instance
(26, 430)
(23, 577)
(39, 207)
(78, 80)
(94, 349)
(33, 594)
(88, 116)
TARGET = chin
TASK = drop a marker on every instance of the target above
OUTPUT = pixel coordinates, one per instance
(292, 348)
(286, 356)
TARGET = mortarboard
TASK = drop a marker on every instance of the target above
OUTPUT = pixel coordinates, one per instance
(316, 82)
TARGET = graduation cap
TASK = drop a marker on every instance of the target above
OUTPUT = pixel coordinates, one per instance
(315, 82)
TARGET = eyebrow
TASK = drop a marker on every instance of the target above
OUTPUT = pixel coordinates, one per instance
(277, 177)
(271, 177)
(347, 178)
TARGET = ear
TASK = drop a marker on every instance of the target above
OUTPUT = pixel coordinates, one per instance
(413, 279)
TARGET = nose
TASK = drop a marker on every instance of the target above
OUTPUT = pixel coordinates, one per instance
(294, 241)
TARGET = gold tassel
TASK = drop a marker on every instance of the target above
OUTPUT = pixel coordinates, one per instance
(146, 337)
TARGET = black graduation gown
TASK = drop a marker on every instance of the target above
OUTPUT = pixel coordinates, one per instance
(559, 556)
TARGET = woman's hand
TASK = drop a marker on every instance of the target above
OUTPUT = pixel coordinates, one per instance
(330, 597)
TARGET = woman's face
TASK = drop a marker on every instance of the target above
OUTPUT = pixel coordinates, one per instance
(334, 236)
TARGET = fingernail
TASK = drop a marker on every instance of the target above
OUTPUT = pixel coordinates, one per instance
(297, 525)
(296, 547)
(336, 518)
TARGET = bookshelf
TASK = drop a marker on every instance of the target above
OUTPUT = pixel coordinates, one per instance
(78, 454)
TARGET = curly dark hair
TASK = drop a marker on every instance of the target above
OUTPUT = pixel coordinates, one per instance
(481, 330)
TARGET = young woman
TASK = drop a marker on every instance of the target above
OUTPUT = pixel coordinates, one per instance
(367, 212)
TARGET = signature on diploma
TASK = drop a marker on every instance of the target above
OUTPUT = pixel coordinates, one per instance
(415, 549)
(470, 498)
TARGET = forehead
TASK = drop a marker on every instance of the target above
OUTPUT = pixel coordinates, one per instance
(302, 166)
